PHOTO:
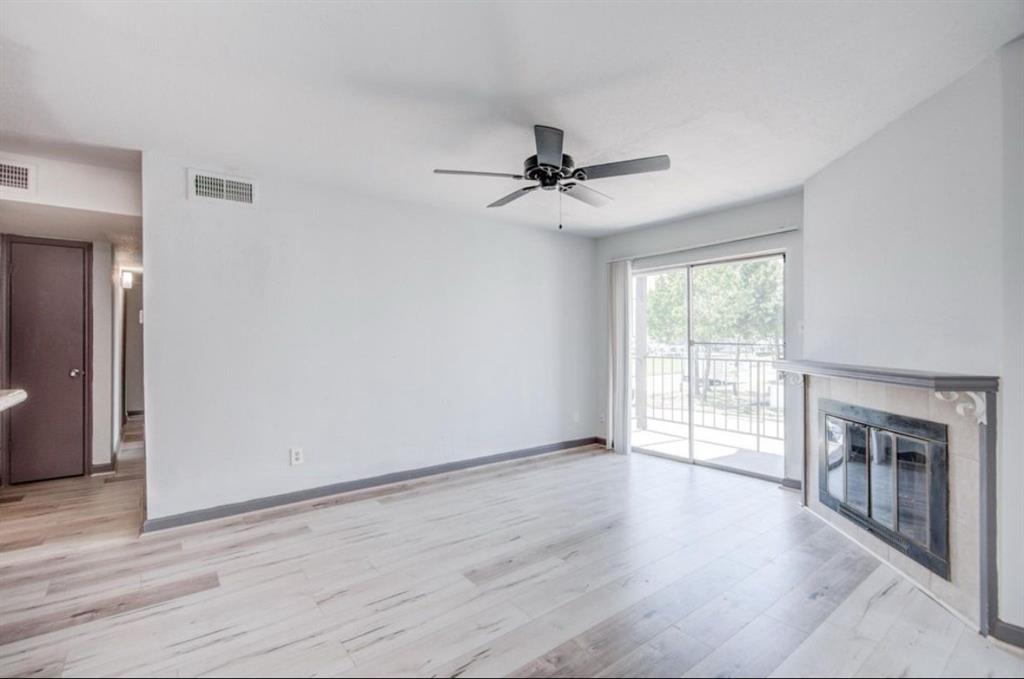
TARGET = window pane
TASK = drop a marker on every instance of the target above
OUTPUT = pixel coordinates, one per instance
(835, 441)
(912, 485)
(659, 367)
(857, 467)
(882, 471)
(739, 302)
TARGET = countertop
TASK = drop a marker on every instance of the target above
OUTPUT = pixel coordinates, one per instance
(11, 397)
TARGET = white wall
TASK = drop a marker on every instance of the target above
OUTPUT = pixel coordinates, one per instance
(653, 247)
(117, 373)
(913, 259)
(102, 353)
(1011, 461)
(377, 337)
(919, 206)
(77, 185)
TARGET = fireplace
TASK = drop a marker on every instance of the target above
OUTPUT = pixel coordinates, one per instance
(889, 474)
(912, 460)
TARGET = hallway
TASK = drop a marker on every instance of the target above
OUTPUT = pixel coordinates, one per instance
(79, 513)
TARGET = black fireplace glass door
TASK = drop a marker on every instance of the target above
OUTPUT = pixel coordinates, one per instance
(857, 467)
(883, 479)
(888, 474)
(835, 434)
(912, 489)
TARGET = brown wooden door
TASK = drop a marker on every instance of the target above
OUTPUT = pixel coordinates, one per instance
(48, 356)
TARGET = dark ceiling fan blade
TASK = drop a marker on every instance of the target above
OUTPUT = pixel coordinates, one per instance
(518, 193)
(585, 194)
(549, 145)
(637, 166)
(481, 174)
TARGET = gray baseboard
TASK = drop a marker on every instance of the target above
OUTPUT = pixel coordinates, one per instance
(793, 484)
(1010, 633)
(222, 511)
(107, 468)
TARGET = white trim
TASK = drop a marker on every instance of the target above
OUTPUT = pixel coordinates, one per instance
(778, 251)
(698, 246)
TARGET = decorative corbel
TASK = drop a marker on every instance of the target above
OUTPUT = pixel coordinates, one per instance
(967, 402)
(793, 378)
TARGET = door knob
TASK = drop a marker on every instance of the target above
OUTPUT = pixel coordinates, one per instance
(77, 372)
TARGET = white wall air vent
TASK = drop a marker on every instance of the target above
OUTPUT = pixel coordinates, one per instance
(213, 186)
(17, 177)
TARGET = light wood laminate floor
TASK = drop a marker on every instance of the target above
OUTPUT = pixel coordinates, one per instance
(575, 564)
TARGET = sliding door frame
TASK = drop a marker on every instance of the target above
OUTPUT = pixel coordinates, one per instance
(690, 358)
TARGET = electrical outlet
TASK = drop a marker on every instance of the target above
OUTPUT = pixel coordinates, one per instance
(295, 456)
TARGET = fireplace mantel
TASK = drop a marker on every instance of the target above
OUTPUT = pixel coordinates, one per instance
(935, 381)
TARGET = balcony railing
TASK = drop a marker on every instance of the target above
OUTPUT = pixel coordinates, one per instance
(735, 388)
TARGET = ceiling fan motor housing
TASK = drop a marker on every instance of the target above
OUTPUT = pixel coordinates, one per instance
(547, 175)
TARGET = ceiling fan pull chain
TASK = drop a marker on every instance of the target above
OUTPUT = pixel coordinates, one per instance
(560, 209)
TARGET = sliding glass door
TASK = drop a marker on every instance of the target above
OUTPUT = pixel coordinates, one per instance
(704, 387)
(661, 389)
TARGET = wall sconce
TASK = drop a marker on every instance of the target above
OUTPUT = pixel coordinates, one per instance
(127, 280)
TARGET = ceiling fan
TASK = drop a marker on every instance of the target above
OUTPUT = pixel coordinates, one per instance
(552, 169)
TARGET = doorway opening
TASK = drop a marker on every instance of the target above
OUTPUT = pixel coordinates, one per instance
(129, 380)
(704, 338)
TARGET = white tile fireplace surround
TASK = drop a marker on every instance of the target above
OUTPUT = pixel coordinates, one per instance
(957, 408)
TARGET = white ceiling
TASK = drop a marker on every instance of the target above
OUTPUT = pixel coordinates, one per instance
(749, 98)
(71, 152)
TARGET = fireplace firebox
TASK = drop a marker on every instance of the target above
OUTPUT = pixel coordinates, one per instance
(889, 474)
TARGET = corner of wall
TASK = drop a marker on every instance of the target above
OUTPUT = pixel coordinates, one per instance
(102, 353)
